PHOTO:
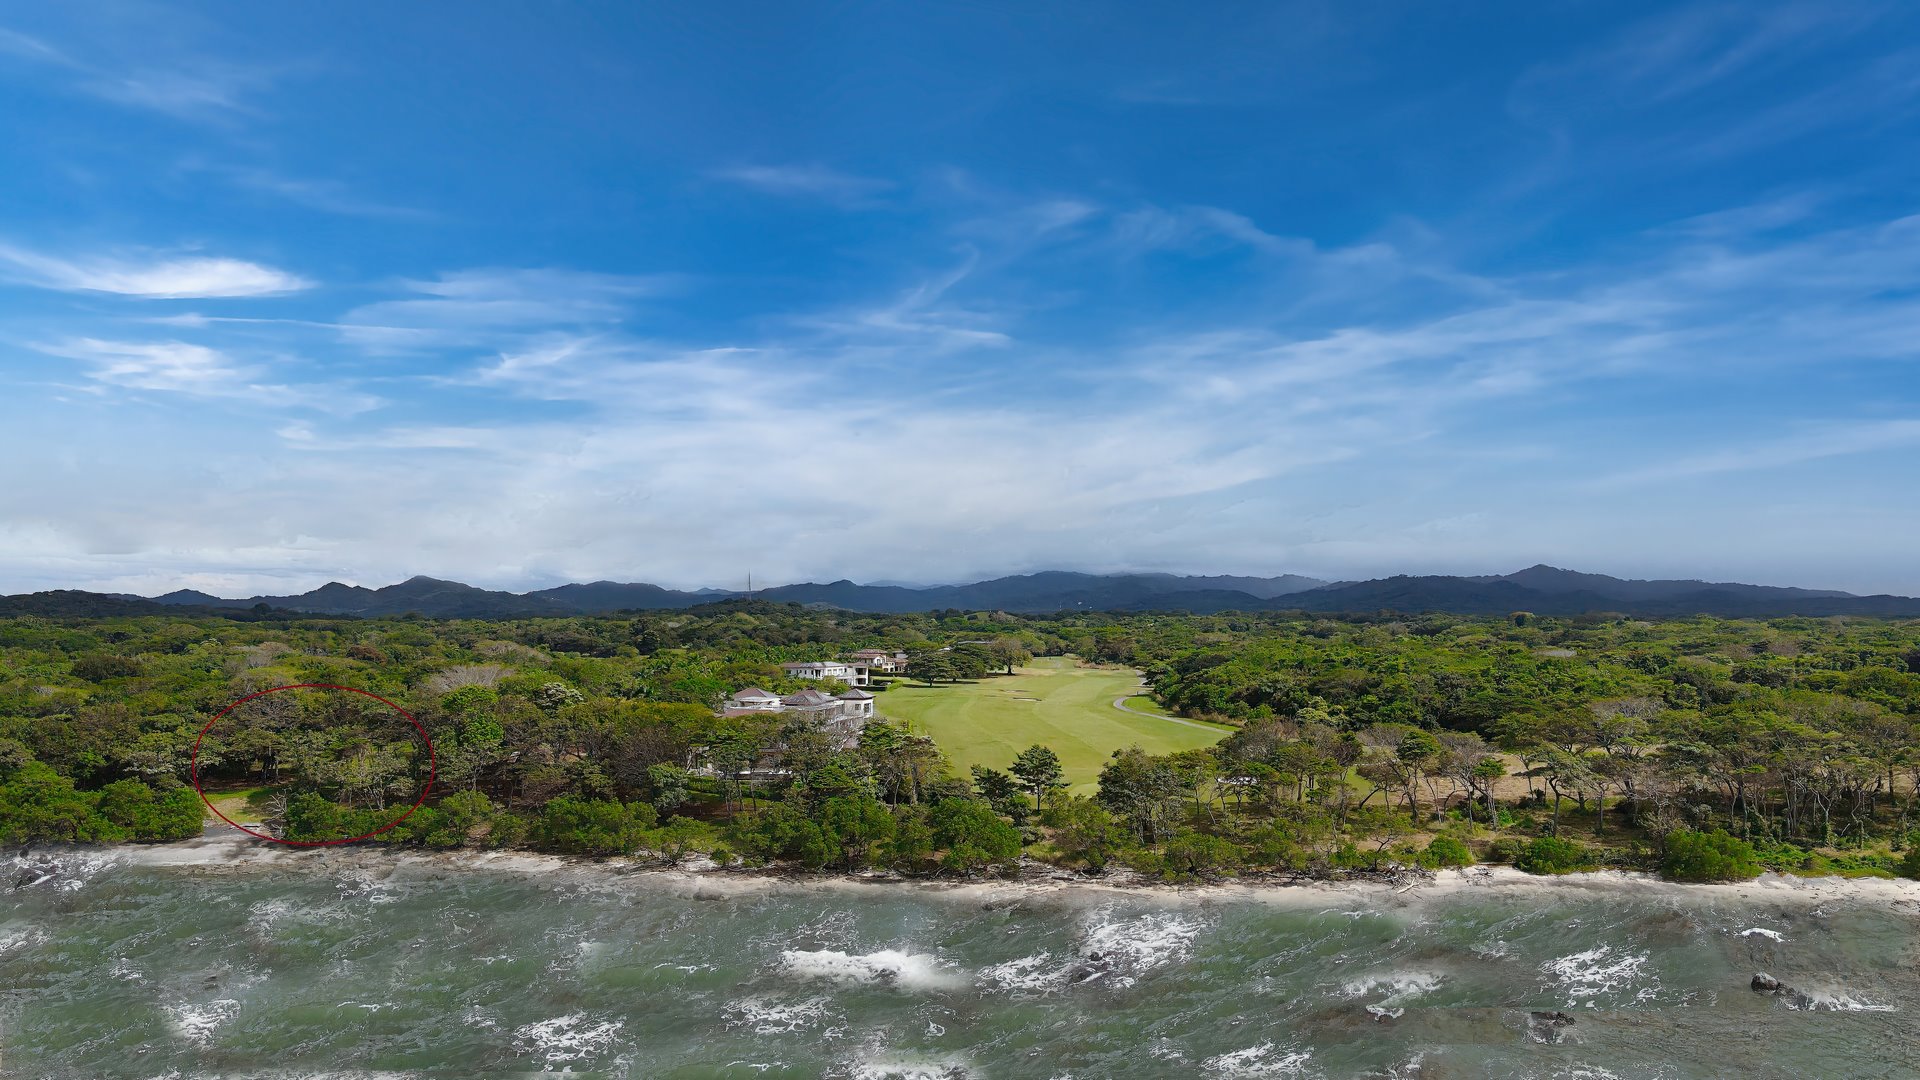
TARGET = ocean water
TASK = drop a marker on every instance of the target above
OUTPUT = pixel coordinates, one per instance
(341, 964)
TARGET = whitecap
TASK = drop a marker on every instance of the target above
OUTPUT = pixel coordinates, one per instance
(886, 1067)
(65, 872)
(686, 969)
(565, 1038)
(196, 1023)
(1257, 1061)
(1029, 973)
(1835, 1001)
(1401, 986)
(1138, 945)
(23, 937)
(1761, 931)
(1598, 972)
(891, 967)
(766, 1017)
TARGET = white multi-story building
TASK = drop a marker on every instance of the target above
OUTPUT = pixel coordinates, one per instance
(851, 674)
(841, 717)
(887, 663)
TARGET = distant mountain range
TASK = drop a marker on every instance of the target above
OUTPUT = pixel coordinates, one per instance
(1543, 590)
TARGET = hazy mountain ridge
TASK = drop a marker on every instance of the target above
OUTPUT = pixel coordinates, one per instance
(1543, 590)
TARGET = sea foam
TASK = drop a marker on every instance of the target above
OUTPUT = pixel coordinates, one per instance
(1256, 1061)
(1113, 951)
(565, 1038)
(1835, 1001)
(764, 1017)
(196, 1023)
(1400, 987)
(888, 967)
(1603, 971)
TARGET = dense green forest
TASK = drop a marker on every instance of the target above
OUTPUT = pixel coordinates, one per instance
(1707, 748)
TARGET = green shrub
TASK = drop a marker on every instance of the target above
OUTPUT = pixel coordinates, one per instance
(137, 812)
(1189, 854)
(575, 826)
(1552, 855)
(1504, 850)
(1446, 851)
(1714, 856)
(1910, 866)
(973, 834)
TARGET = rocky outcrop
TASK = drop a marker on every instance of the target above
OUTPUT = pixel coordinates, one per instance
(1763, 983)
(1546, 1026)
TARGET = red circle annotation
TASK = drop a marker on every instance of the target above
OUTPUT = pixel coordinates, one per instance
(194, 768)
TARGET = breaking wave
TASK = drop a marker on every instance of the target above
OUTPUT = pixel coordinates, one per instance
(1265, 1059)
(565, 1038)
(887, 967)
(197, 1023)
(1602, 972)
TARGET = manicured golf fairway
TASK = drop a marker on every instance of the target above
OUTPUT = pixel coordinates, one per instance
(1055, 703)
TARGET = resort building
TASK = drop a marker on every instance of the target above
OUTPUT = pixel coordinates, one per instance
(887, 663)
(840, 717)
(851, 674)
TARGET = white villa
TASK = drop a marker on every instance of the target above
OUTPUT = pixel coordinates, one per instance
(839, 715)
(851, 674)
(855, 670)
(887, 663)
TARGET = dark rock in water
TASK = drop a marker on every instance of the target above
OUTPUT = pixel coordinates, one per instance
(1764, 983)
(33, 874)
(1094, 966)
(1545, 1026)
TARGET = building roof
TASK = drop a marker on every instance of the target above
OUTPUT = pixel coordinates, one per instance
(855, 695)
(750, 692)
(806, 697)
(809, 663)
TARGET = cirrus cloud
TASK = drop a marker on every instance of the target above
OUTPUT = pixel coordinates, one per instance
(161, 277)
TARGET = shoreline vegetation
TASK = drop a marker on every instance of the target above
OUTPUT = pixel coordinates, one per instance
(1705, 750)
(237, 852)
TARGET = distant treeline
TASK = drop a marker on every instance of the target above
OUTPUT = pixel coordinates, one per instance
(1708, 747)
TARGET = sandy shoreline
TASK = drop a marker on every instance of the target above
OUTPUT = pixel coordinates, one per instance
(218, 853)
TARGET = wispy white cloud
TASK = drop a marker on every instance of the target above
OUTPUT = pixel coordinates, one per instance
(150, 276)
(1814, 443)
(1683, 51)
(810, 181)
(1241, 437)
(327, 196)
(919, 315)
(167, 365)
(478, 306)
(199, 371)
(192, 88)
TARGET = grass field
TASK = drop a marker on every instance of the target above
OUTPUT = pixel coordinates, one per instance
(241, 804)
(1056, 703)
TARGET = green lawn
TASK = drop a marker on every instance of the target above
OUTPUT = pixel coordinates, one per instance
(243, 804)
(1066, 707)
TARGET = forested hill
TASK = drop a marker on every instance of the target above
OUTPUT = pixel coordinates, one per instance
(1543, 590)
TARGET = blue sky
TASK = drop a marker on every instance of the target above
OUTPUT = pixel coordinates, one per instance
(518, 295)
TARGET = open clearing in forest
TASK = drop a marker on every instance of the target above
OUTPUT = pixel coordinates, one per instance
(1056, 702)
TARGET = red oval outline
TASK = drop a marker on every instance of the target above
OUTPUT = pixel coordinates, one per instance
(194, 764)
